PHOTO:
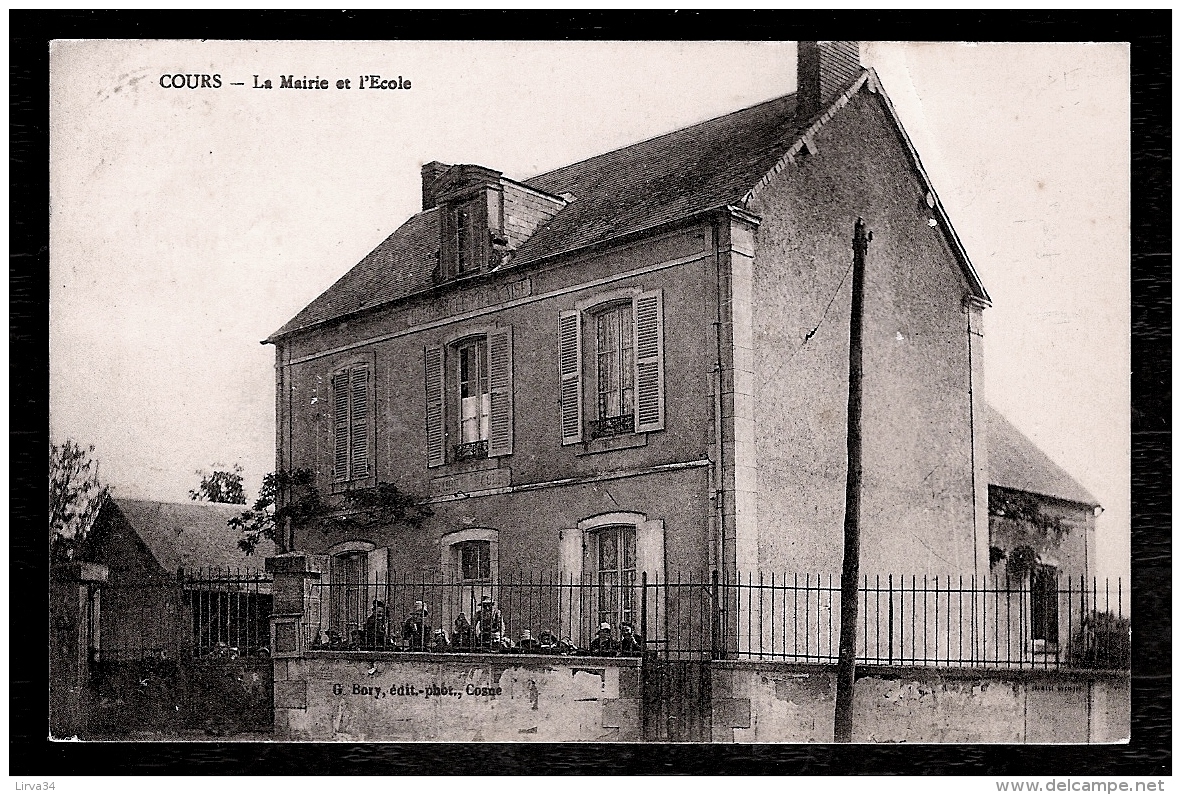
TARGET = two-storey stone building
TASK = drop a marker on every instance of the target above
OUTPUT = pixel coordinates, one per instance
(638, 363)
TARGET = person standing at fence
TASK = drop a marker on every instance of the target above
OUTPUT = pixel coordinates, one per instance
(462, 636)
(489, 627)
(604, 645)
(416, 631)
(375, 627)
(630, 644)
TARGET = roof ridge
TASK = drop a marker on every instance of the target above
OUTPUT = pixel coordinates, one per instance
(657, 137)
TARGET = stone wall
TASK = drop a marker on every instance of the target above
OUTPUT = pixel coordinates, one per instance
(758, 702)
(456, 698)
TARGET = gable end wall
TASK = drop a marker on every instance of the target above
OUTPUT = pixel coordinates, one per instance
(918, 501)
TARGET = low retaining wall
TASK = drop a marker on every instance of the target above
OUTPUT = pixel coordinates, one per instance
(756, 702)
(395, 696)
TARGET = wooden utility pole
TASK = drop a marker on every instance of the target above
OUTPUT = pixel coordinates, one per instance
(851, 567)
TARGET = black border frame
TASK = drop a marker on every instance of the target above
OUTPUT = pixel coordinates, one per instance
(1149, 752)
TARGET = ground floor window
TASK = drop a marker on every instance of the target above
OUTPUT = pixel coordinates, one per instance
(1044, 607)
(349, 595)
(615, 574)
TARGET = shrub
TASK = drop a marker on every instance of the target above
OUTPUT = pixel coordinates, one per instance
(1103, 641)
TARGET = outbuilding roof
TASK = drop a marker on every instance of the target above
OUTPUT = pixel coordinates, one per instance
(192, 535)
(699, 168)
(1015, 462)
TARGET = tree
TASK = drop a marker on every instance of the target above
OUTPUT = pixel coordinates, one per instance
(381, 505)
(75, 497)
(221, 486)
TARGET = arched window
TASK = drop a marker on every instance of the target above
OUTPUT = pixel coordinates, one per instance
(470, 562)
(356, 578)
(605, 558)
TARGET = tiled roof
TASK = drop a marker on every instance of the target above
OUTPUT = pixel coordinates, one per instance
(663, 179)
(191, 534)
(1014, 462)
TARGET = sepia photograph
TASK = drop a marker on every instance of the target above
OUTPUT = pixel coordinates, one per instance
(721, 392)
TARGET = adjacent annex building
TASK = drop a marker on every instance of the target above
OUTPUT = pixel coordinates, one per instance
(637, 363)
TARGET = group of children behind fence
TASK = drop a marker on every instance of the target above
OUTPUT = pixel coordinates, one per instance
(485, 632)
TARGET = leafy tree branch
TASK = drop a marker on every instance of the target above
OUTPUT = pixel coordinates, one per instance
(292, 497)
(75, 497)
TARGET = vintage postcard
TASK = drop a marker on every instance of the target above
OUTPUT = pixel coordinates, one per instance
(710, 392)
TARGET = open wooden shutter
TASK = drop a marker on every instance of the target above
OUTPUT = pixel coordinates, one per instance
(650, 560)
(649, 331)
(500, 384)
(340, 426)
(359, 422)
(570, 374)
(570, 552)
(378, 578)
(436, 432)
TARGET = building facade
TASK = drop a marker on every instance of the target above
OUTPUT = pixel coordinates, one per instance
(637, 365)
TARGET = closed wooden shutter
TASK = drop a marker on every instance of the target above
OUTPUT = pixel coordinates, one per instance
(649, 331)
(500, 385)
(570, 374)
(340, 426)
(447, 238)
(436, 432)
(359, 422)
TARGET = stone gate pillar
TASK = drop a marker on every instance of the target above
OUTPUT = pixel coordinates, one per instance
(296, 619)
(74, 602)
(295, 602)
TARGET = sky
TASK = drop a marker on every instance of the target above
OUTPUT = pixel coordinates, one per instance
(187, 225)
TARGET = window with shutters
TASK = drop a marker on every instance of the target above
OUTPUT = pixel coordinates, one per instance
(469, 400)
(613, 384)
(351, 425)
(475, 402)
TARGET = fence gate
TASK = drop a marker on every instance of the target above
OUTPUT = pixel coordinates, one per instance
(676, 700)
(184, 654)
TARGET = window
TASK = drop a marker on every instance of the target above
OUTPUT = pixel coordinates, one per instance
(614, 373)
(475, 402)
(469, 561)
(609, 554)
(619, 385)
(356, 577)
(350, 423)
(349, 597)
(615, 560)
(469, 397)
(475, 561)
(1043, 606)
(467, 248)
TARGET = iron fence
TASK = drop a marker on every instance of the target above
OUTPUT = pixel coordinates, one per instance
(214, 612)
(911, 620)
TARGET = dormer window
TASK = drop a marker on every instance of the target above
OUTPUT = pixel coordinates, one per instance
(471, 221)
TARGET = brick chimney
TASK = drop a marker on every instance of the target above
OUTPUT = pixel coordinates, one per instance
(430, 178)
(823, 70)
